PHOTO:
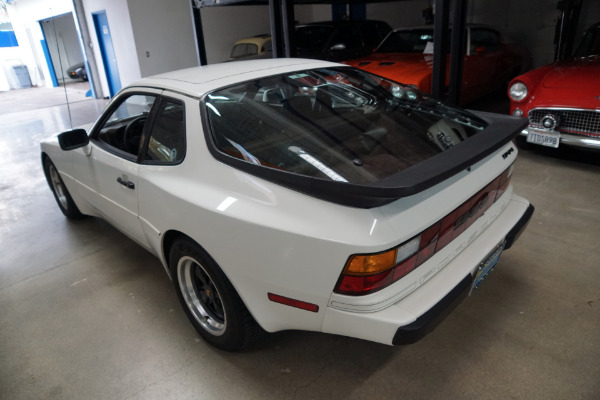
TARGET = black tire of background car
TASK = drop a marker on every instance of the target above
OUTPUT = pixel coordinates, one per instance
(67, 206)
(240, 327)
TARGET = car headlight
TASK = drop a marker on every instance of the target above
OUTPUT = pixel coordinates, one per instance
(517, 91)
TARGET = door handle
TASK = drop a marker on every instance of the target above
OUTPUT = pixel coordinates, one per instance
(128, 184)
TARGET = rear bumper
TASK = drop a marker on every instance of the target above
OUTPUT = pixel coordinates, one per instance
(410, 319)
(427, 322)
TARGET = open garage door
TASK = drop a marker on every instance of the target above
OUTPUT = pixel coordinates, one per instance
(62, 50)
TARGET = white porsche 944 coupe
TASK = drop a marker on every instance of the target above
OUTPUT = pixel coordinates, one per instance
(298, 194)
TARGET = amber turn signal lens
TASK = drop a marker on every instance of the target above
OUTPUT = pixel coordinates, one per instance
(371, 264)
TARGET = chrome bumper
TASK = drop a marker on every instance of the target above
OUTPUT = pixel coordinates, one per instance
(569, 140)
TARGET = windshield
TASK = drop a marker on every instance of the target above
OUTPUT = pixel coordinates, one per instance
(590, 45)
(336, 124)
(411, 41)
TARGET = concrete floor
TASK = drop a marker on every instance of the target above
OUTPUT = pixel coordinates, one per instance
(87, 314)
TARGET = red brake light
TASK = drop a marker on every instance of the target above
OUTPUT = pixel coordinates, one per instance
(368, 273)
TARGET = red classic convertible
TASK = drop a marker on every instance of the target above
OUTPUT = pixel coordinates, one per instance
(406, 56)
(562, 100)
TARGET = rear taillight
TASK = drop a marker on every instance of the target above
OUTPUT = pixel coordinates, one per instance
(368, 273)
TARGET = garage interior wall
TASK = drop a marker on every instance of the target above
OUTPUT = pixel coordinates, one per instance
(399, 14)
(531, 23)
(121, 31)
(25, 17)
(154, 36)
(223, 26)
(164, 35)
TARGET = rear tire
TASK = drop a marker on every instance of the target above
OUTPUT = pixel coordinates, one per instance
(61, 194)
(208, 298)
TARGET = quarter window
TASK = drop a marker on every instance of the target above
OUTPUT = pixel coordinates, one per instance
(167, 139)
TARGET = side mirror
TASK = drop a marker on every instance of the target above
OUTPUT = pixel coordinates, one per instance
(73, 139)
(480, 49)
(339, 46)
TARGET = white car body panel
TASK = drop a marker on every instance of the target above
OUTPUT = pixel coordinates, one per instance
(270, 239)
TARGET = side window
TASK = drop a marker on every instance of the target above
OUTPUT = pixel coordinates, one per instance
(348, 36)
(123, 128)
(484, 38)
(370, 35)
(243, 50)
(167, 142)
(268, 46)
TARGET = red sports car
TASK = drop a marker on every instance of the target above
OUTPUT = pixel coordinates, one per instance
(406, 56)
(562, 100)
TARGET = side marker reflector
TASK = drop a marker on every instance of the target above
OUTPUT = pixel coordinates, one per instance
(293, 302)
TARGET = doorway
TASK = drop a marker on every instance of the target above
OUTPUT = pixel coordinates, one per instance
(107, 52)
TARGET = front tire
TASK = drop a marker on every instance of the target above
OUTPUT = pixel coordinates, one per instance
(208, 298)
(61, 194)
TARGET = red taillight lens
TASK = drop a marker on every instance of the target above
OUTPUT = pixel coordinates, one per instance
(368, 273)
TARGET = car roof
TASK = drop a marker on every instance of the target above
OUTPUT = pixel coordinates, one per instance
(257, 40)
(198, 81)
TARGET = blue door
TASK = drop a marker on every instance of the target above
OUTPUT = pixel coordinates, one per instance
(108, 52)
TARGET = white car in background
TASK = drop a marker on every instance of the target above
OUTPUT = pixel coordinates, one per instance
(298, 194)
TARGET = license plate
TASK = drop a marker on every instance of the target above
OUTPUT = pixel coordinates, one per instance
(543, 138)
(487, 266)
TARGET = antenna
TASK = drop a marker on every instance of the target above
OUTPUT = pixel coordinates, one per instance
(62, 70)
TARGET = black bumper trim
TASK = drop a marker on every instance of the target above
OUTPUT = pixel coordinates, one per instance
(519, 227)
(427, 322)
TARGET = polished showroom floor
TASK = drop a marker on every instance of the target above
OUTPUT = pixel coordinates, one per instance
(87, 314)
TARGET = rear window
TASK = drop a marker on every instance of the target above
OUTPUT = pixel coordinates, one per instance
(340, 124)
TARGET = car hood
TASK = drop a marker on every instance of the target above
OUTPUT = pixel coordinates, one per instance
(403, 67)
(580, 73)
(571, 83)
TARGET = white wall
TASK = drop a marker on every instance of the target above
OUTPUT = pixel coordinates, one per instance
(25, 17)
(223, 26)
(164, 35)
(398, 14)
(312, 13)
(121, 32)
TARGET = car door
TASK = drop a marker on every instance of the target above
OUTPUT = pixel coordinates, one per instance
(164, 150)
(108, 174)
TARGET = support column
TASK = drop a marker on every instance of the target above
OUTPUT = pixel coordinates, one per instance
(201, 46)
(289, 27)
(277, 41)
(457, 52)
(85, 42)
(440, 49)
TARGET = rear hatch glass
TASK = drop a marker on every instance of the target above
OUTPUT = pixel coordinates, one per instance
(337, 125)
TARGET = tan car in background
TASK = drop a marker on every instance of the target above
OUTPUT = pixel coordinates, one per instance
(258, 46)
